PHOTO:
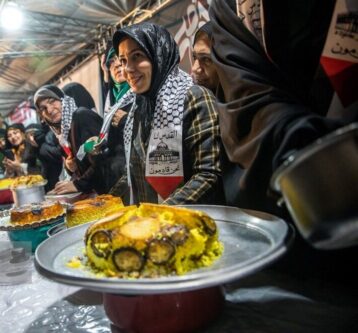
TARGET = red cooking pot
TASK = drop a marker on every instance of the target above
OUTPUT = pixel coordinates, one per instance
(180, 312)
(6, 197)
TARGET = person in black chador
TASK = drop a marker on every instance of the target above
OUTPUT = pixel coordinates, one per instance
(266, 72)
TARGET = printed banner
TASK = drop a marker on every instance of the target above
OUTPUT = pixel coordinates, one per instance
(340, 55)
(24, 114)
(186, 17)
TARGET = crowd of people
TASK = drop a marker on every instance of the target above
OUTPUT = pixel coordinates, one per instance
(213, 137)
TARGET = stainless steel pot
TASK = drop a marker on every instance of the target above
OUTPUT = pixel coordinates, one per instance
(27, 195)
(319, 185)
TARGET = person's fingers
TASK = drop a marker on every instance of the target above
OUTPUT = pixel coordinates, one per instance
(61, 191)
(117, 117)
(103, 60)
(60, 183)
(92, 138)
(66, 187)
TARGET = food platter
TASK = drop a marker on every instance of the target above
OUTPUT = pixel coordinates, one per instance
(252, 240)
(6, 225)
(33, 233)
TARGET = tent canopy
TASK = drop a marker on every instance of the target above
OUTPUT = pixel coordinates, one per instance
(54, 35)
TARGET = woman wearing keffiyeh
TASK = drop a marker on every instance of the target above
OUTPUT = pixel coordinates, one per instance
(171, 134)
(115, 85)
(72, 126)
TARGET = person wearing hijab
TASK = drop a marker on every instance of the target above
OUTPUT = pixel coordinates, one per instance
(266, 74)
(72, 126)
(203, 69)
(112, 164)
(115, 83)
(171, 134)
(34, 134)
(20, 156)
(80, 94)
(266, 57)
(204, 74)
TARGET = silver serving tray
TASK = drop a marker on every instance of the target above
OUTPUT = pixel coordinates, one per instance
(252, 240)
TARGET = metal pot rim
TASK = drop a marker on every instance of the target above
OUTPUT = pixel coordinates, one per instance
(26, 187)
(302, 154)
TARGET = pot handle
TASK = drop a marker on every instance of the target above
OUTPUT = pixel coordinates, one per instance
(281, 202)
(277, 196)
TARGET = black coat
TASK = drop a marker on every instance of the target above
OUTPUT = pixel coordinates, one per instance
(85, 124)
(50, 155)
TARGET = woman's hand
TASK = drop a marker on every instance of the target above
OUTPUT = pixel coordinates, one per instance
(117, 117)
(63, 187)
(104, 68)
(12, 166)
(70, 163)
(93, 145)
(30, 138)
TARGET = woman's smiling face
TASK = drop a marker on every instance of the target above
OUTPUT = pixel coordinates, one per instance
(136, 65)
(15, 136)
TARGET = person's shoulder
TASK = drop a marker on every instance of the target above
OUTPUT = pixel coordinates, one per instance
(83, 113)
(200, 94)
(197, 90)
(82, 110)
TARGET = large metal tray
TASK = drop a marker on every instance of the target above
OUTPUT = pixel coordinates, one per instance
(252, 240)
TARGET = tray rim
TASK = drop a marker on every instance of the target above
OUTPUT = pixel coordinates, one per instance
(63, 196)
(187, 282)
(5, 214)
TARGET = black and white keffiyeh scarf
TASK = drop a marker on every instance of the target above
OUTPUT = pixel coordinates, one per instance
(128, 98)
(164, 107)
(68, 108)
